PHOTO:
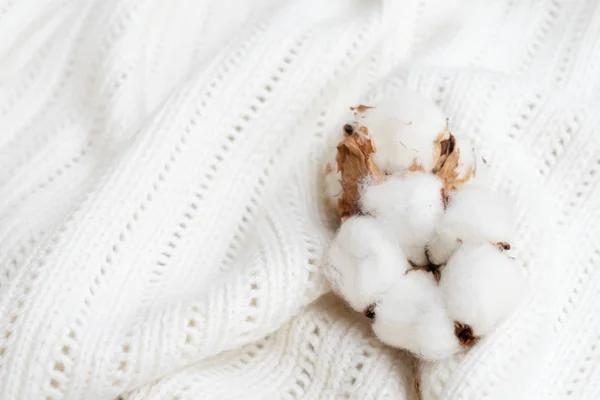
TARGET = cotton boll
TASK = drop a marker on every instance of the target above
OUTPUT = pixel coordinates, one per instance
(404, 127)
(410, 207)
(481, 286)
(412, 316)
(474, 214)
(363, 262)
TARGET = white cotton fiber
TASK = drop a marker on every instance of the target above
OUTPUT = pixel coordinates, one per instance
(412, 316)
(410, 207)
(474, 214)
(404, 127)
(481, 286)
(363, 262)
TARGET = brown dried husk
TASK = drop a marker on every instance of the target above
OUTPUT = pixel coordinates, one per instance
(429, 267)
(355, 163)
(443, 146)
(369, 311)
(418, 389)
(360, 108)
(502, 245)
(465, 334)
(446, 161)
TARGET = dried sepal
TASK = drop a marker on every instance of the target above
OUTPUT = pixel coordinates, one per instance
(465, 334)
(360, 108)
(449, 174)
(502, 246)
(447, 162)
(429, 267)
(443, 146)
(445, 197)
(416, 167)
(370, 311)
(354, 161)
(418, 389)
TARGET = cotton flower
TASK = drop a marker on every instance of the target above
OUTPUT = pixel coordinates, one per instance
(410, 207)
(364, 262)
(473, 214)
(404, 127)
(402, 185)
(481, 286)
(412, 315)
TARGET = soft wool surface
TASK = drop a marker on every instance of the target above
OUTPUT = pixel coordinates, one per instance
(161, 214)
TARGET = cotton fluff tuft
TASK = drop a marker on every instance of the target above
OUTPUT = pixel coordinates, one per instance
(481, 286)
(410, 207)
(474, 214)
(404, 127)
(363, 262)
(412, 316)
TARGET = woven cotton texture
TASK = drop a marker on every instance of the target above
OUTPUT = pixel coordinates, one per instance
(162, 211)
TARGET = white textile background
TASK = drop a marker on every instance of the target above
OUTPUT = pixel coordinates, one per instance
(161, 213)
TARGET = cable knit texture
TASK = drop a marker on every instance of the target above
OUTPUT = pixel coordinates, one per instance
(162, 220)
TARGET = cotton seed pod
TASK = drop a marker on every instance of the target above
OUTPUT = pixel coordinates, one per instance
(481, 286)
(410, 207)
(404, 127)
(363, 262)
(412, 315)
(473, 214)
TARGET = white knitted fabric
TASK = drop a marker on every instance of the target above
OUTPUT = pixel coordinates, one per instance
(162, 221)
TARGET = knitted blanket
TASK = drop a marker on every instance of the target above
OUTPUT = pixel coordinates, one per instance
(162, 217)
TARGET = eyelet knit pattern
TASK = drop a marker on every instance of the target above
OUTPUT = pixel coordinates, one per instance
(162, 206)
